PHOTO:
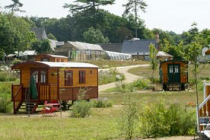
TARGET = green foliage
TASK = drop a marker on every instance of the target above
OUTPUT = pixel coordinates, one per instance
(159, 120)
(7, 76)
(153, 59)
(129, 118)
(152, 54)
(94, 36)
(138, 84)
(81, 109)
(16, 61)
(110, 76)
(5, 104)
(133, 6)
(176, 51)
(115, 28)
(102, 103)
(51, 36)
(2, 53)
(5, 88)
(15, 33)
(42, 46)
(15, 6)
(5, 98)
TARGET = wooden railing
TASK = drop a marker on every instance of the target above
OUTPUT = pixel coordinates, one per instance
(47, 92)
(16, 96)
(204, 113)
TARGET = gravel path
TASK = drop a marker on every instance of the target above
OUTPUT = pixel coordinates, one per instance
(128, 76)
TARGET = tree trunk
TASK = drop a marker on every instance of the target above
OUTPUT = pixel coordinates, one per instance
(196, 92)
(94, 14)
(135, 19)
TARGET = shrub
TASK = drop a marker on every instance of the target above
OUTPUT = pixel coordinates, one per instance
(16, 61)
(159, 120)
(7, 76)
(81, 109)
(102, 103)
(5, 98)
(5, 104)
(138, 84)
(129, 119)
(5, 88)
(110, 76)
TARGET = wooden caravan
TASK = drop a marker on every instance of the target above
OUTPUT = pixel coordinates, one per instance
(203, 113)
(55, 81)
(174, 74)
(51, 58)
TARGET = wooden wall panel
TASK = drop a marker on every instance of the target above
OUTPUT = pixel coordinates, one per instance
(25, 77)
(52, 76)
(183, 74)
(91, 77)
(72, 93)
(66, 94)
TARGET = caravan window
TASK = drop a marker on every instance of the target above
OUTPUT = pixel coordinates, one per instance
(82, 77)
(68, 78)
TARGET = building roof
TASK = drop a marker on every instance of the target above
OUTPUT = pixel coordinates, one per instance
(29, 52)
(56, 64)
(114, 47)
(135, 47)
(60, 43)
(85, 46)
(70, 65)
(163, 54)
(52, 44)
(51, 55)
(40, 33)
(26, 53)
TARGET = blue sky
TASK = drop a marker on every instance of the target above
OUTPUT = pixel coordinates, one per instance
(171, 15)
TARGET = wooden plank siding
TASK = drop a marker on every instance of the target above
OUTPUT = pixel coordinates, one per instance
(183, 74)
(50, 58)
(90, 79)
(50, 91)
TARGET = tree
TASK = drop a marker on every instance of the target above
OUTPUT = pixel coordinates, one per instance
(2, 53)
(154, 62)
(134, 5)
(194, 51)
(9, 36)
(51, 36)
(15, 6)
(87, 5)
(42, 46)
(94, 36)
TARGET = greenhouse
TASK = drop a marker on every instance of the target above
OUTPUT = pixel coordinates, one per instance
(118, 56)
(81, 55)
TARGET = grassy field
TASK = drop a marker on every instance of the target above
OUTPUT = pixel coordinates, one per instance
(204, 71)
(101, 125)
(110, 64)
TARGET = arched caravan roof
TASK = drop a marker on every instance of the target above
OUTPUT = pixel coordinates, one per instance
(179, 61)
(54, 64)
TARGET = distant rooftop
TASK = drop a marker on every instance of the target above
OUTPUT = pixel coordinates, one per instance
(40, 33)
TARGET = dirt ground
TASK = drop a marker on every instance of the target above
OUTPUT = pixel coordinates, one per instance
(128, 76)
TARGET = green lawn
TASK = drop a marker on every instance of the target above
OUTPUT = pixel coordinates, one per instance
(101, 125)
(204, 71)
(112, 63)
